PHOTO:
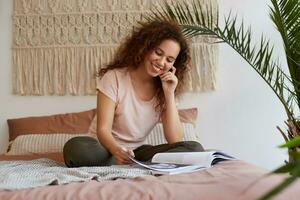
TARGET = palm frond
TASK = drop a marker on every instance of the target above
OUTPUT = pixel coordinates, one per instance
(279, 188)
(197, 19)
(286, 16)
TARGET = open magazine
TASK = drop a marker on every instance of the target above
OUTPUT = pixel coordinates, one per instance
(182, 162)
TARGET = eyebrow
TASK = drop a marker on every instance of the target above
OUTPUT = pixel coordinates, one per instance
(164, 52)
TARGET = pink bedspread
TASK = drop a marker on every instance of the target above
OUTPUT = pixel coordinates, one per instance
(228, 180)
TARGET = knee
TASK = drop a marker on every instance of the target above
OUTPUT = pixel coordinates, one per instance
(75, 149)
(193, 146)
(72, 145)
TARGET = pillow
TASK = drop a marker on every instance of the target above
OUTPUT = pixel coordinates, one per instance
(48, 134)
(40, 143)
(187, 115)
(157, 137)
(69, 123)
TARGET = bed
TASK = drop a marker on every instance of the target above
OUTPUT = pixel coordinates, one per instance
(234, 179)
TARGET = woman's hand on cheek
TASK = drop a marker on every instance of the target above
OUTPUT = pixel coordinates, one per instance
(169, 81)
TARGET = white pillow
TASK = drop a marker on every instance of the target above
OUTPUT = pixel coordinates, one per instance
(157, 137)
(40, 143)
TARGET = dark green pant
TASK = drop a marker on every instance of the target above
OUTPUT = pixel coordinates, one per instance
(87, 151)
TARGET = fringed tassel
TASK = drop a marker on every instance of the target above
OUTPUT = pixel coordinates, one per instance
(47, 60)
(203, 66)
(58, 71)
(71, 71)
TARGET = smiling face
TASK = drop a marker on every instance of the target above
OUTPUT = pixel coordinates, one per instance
(162, 58)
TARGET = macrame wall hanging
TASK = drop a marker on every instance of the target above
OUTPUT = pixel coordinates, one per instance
(58, 45)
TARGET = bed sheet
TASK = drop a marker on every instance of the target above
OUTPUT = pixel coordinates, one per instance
(228, 180)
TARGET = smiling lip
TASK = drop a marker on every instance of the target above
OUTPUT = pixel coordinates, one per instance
(157, 69)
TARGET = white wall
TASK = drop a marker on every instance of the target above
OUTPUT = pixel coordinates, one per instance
(240, 117)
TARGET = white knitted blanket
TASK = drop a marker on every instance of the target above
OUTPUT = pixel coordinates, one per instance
(41, 172)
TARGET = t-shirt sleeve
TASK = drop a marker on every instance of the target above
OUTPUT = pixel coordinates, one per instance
(108, 85)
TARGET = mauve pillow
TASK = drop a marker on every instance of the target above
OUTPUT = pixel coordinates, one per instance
(186, 115)
(71, 123)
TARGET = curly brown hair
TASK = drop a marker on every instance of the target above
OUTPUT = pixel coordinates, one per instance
(144, 38)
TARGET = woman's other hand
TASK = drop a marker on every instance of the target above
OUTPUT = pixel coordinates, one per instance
(169, 81)
(121, 155)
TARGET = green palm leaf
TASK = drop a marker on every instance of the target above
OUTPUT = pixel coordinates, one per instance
(195, 19)
(286, 16)
(278, 188)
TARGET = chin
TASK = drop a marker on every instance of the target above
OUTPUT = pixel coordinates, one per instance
(153, 75)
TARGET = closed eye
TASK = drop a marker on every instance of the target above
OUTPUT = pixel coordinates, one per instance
(170, 60)
(159, 53)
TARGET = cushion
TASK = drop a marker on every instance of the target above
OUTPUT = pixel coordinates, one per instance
(187, 115)
(70, 123)
(157, 137)
(48, 134)
(28, 144)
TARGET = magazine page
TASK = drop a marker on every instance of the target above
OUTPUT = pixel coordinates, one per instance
(219, 156)
(222, 154)
(188, 158)
(205, 159)
(167, 168)
(188, 169)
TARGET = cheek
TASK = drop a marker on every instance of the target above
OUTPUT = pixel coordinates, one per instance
(168, 67)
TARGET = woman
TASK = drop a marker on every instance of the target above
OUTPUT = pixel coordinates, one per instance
(137, 89)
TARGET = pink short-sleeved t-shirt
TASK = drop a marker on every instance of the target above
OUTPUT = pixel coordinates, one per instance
(134, 118)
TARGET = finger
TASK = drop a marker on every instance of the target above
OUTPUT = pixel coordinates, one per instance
(124, 149)
(124, 156)
(126, 162)
(121, 156)
(131, 153)
(124, 152)
(173, 70)
(127, 152)
(166, 74)
(167, 78)
(119, 162)
(122, 161)
(163, 75)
